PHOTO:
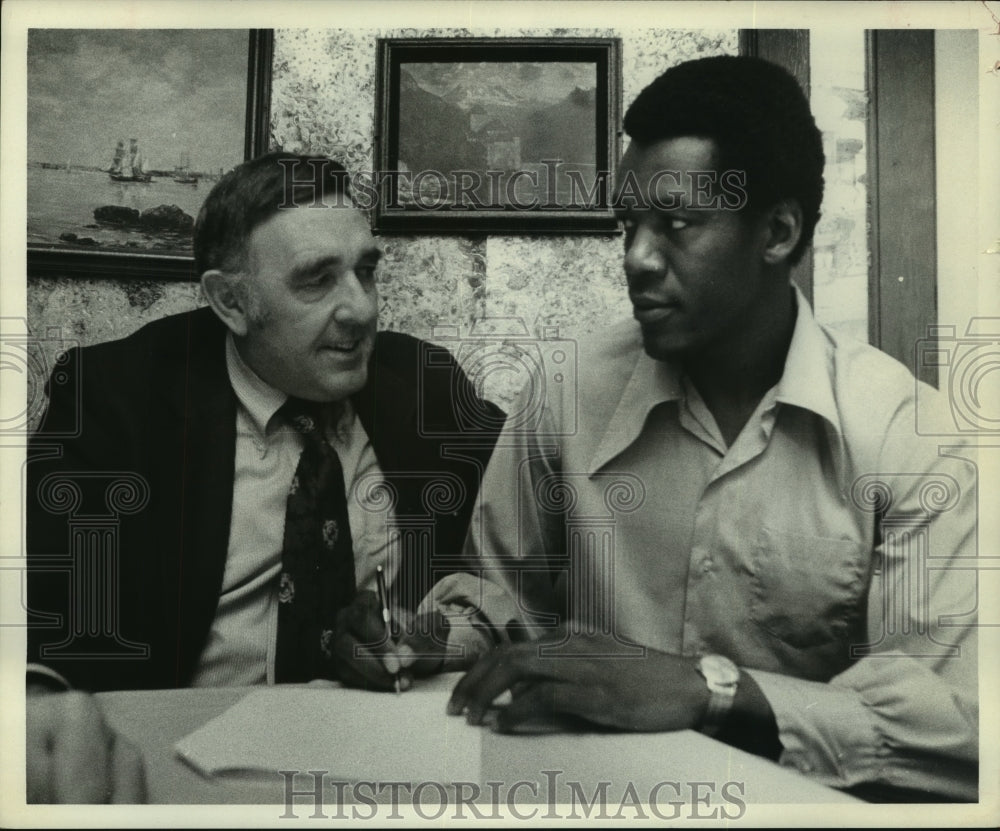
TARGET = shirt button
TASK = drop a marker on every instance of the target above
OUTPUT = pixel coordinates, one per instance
(707, 566)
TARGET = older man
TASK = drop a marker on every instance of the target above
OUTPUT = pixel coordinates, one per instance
(246, 451)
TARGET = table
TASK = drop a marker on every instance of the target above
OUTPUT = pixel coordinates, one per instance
(677, 772)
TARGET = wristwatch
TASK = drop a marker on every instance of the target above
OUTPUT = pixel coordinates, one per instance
(722, 677)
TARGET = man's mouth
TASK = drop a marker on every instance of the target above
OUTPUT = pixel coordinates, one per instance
(344, 347)
(652, 310)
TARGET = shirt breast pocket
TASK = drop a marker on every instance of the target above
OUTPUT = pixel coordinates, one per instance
(807, 590)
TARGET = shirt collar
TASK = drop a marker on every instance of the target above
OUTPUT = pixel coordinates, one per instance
(260, 400)
(808, 378)
(806, 382)
(652, 382)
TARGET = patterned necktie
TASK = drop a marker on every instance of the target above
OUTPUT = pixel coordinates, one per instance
(317, 560)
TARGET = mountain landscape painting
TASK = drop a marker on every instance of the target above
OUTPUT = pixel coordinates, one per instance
(498, 133)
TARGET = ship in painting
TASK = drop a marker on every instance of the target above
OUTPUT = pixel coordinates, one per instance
(128, 165)
(183, 174)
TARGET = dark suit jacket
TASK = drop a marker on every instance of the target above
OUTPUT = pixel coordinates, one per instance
(130, 487)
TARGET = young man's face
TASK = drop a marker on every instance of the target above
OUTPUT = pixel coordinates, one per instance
(311, 291)
(694, 273)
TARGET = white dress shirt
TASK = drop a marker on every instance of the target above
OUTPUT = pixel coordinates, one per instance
(241, 645)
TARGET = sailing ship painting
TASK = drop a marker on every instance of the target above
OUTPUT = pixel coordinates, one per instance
(124, 138)
(183, 174)
(129, 166)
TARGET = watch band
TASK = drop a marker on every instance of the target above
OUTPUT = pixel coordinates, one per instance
(722, 678)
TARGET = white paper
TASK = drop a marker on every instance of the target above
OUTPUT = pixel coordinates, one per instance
(350, 734)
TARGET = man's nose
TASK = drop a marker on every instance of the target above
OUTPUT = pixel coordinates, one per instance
(356, 303)
(644, 257)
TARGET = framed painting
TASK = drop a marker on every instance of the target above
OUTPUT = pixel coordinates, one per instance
(493, 135)
(127, 131)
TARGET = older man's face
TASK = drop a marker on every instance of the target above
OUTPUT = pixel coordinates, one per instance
(313, 303)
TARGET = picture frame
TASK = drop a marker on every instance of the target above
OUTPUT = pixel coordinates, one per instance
(476, 135)
(49, 255)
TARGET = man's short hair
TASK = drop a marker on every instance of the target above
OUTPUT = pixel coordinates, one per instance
(252, 193)
(759, 118)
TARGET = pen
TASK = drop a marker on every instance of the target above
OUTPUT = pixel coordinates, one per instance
(383, 599)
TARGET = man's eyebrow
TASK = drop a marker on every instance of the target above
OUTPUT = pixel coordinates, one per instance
(308, 268)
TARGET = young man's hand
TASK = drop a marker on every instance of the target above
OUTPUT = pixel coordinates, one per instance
(585, 682)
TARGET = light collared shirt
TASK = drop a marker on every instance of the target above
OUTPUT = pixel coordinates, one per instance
(241, 644)
(620, 508)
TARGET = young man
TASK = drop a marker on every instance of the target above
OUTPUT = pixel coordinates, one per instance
(250, 463)
(733, 526)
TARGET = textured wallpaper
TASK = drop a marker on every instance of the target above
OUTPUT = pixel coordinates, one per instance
(839, 102)
(323, 101)
(446, 287)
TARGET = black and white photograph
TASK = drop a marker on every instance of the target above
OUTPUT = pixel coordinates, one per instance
(499, 413)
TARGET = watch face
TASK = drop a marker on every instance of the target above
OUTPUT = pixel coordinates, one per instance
(718, 669)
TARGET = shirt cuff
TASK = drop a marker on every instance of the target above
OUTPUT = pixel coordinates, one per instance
(40, 675)
(466, 644)
(478, 612)
(826, 732)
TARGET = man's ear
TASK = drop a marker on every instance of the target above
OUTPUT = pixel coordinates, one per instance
(784, 229)
(226, 300)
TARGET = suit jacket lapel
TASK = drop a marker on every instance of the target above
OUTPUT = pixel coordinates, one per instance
(203, 408)
(387, 409)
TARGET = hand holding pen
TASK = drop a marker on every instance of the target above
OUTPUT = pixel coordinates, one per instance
(383, 601)
(378, 647)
